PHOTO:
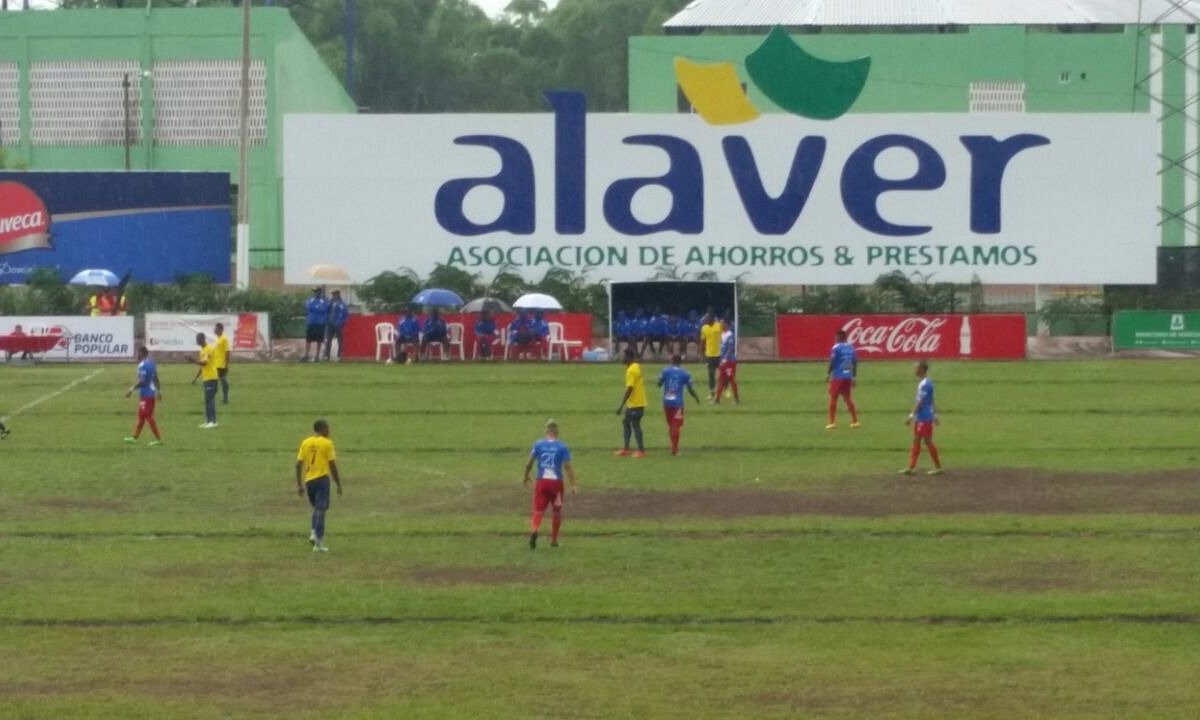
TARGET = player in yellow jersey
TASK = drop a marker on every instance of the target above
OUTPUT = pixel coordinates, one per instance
(710, 344)
(222, 356)
(315, 463)
(633, 404)
(208, 373)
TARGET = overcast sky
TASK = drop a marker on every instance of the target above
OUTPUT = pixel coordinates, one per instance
(495, 7)
(491, 7)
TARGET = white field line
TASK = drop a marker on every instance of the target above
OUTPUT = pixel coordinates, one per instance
(51, 396)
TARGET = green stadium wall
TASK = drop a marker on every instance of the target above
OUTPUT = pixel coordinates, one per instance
(1085, 69)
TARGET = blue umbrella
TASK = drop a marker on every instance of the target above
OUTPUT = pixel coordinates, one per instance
(95, 276)
(437, 297)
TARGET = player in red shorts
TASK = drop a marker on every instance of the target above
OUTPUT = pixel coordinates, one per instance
(673, 381)
(727, 370)
(923, 417)
(842, 374)
(148, 392)
(553, 460)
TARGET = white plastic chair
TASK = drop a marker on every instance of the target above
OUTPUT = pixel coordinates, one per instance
(385, 337)
(558, 339)
(505, 347)
(454, 338)
(480, 342)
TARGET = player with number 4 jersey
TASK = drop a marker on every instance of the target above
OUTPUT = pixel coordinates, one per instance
(674, 380)
(842, 374)
(553, 459)
(923, 417)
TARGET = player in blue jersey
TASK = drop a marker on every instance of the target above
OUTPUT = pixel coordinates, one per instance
(408, 334)
(727, 369)
(316, 314)
(553, 460)
(923, 417)
(841, 375)
(335, 324)
(673, 381)
(149, 391)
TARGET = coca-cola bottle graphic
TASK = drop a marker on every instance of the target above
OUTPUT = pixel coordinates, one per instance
(964, 336)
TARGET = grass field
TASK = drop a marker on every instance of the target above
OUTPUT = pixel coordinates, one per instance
(773, 570)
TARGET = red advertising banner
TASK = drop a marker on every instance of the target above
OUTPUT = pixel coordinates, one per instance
(886, 337)
(359, 333)
(245, 336)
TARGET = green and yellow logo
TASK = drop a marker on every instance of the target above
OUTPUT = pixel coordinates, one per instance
(784, 72)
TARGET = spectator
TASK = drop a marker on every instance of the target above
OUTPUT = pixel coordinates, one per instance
(339, 311)
(408, 334)
(433, 331)
(316, 312)
(676, 335)
(641, 332)
(622, 331)
(17, 332)
(101, 302)
(485, 334)
(691, 333)
(657, 333)
(541, 333)
(521, 335)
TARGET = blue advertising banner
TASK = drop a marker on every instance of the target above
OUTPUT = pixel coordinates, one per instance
(154, 225)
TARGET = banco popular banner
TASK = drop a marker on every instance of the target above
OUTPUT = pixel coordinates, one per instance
(83, 338)
(892, 337)
(1007, 198)
(156, 225)
(173, 332)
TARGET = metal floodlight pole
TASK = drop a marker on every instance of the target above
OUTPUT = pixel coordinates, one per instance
(243, 219)
(125, 116)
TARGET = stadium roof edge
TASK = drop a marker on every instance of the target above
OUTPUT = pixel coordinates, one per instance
(848, 13)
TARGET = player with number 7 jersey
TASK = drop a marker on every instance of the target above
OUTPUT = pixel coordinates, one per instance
(315, 463)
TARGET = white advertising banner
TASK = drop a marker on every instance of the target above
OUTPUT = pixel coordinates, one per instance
(175, 332)
(83, 337)
(1007, 198)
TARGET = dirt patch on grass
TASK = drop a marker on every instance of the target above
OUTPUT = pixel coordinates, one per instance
(472, 576)
(76, 503)
(1049, 575)
(957, 492)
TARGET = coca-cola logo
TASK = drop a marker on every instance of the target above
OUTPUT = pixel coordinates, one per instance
(24, 222)
(912, 335)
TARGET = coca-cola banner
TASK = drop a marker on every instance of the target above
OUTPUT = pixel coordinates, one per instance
(990, 337)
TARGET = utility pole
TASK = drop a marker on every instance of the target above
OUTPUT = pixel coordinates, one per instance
(125, 116)
(243, 220)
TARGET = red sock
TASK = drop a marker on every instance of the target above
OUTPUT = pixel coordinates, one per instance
(138, 430)
(733, 384)
(535, 522)
(153, 429)
(933, 453)
(555, 524)
(852, 409)
(674, 432)
(720, 388)
(914, 454)
(832, 409)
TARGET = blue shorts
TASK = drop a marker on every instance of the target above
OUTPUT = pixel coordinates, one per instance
(318, 492)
